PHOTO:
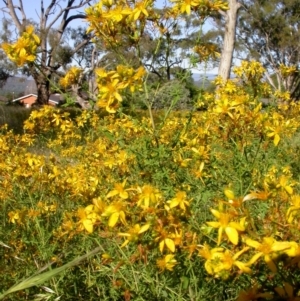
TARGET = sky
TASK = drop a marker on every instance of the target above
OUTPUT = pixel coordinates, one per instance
(33, 11)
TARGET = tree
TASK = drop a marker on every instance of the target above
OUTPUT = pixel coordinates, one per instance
(54, 20)
(270, 33)
(229, 38)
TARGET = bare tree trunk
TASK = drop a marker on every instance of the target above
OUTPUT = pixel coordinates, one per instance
(229, 39)
(75, 91)
(43, 93)
(42, 81)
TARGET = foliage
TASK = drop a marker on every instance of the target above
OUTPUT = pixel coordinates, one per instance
(187, 211)
(177, 205)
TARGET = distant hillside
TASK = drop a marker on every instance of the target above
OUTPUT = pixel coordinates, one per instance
(18, 86)
(203, 80)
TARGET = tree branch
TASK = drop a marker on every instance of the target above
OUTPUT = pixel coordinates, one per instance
(67, 9)
(13, 15)
(22, 12)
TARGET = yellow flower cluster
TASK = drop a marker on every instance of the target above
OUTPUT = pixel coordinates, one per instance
(203, 8)
(111, 20)
(159, 200)
(287, 70)
(24, 50)
(72, 77)
(207, 51)
(112, 83)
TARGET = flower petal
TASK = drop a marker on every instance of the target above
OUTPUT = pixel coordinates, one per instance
(144, 228)
(232, 234)
(213, 224)
(113, 219)
(270, 263)
(252, 243)
(255, 258)
(170, 244)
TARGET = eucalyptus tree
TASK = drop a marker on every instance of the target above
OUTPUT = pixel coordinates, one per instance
(230, 17)
(270, 33)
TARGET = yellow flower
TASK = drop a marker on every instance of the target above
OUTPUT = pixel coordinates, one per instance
(217, 260)
(24, 50)
(115, 211)
(167, 242)
(118, 14)
(167, 263)
(213, 258)
(88, 217)
(283, 183)
(228, 261)
(13, 216)
(72, 77)
(179, 200)
(207, 253)
(267, 248)
(294, 252)
(99, 204)
(275, 132)
(119, 190)
(140, 9)
(147, 195)
(295, 206)
(229, 194)
(231, 228)
(287, 70)
(133, 233)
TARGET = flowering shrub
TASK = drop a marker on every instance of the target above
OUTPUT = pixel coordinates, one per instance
(175, 206)
(209, 195)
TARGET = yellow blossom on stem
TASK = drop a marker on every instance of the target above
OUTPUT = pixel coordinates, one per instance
(169, 243)
(115, 211)
(119, 190)
(185, 6)
(293, 209)
(283, 183)
(228, 261)
(140, 10)
(287, 70)
(207, 253)
(167, 263)
(13, 216)
(275, 132)
(294, 252)
(99, 204)
(179, 201)
(213, 258)
(268, 249)
(225, 225)
(88, 217)
(147, 195)
(217, 260)
(24, 50)
(133, 233)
